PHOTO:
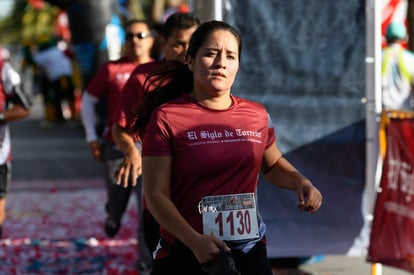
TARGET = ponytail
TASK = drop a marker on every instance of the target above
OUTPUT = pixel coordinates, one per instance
(169, 81)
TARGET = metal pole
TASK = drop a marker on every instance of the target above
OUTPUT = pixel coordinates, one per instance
(373, 109)
(217, 10)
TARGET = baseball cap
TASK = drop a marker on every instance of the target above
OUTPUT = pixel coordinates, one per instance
(396, 30)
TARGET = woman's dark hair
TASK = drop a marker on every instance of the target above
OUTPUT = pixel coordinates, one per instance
(168, 81)
(203, 31)
(173, 78)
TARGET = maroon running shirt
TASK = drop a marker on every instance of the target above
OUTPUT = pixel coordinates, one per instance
(108, 82)
(215, 152)
(132, 94)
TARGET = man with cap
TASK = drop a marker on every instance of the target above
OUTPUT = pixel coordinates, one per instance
(397, 70)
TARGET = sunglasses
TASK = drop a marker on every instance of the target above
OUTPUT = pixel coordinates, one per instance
(140, 35)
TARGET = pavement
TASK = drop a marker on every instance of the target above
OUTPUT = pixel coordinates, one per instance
(55, 207)
(48, 161)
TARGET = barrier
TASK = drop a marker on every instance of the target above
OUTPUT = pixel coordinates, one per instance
(391, 239)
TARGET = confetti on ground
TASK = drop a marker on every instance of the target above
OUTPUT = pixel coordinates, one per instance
(57, 228)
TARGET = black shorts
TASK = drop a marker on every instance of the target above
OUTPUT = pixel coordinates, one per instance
(181, 260)
(5, 179)
(151, 230)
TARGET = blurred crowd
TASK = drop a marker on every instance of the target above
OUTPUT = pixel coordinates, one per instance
(52, 71)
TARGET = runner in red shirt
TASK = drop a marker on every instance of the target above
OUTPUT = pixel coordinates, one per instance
(203, 149)
(176, 35)
(107, 85)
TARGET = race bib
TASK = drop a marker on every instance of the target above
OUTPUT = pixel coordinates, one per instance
(230, 217)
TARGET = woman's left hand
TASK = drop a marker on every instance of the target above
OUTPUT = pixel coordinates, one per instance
(310, 199)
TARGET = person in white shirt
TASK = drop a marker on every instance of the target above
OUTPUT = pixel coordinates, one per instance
(58, 93)
(14, 105)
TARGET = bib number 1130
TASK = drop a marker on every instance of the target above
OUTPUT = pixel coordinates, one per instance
(234, 222)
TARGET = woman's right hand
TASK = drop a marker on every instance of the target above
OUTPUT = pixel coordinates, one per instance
(206, 248)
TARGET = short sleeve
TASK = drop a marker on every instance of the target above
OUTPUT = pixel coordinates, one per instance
(130, 100)
(10, 78)
(157, 138)
(99, 83)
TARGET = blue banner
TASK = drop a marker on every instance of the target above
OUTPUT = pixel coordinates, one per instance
(305, 61)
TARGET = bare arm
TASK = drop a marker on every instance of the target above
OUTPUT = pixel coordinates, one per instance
(156, 180)
(280, 172)
(16, 112)
(131, 166)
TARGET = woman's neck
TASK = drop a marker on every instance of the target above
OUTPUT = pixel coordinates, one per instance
(218, 102)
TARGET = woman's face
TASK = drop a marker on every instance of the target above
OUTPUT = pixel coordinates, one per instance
(216, 64)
